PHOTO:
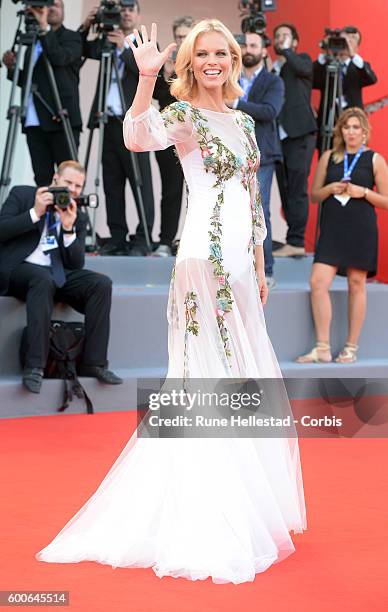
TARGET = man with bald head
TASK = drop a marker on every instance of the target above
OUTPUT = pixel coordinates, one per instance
(63, 48)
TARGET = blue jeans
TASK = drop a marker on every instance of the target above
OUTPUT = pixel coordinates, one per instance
(264, 175)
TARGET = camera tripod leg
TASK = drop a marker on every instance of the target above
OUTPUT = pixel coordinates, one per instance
(139, 196)
(331, 111)
(15, 113)
(332, 103)
(61, 112)
(100, 117)
(5, 180)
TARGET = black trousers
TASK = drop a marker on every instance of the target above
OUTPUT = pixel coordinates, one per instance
(116, 169)
(87, 292)
(48, 150)
(297, 156)
(171, 175)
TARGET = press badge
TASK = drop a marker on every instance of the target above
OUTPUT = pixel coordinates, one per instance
(344, 199)
(48, 243)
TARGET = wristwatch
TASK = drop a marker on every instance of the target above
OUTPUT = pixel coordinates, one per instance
(65, 231)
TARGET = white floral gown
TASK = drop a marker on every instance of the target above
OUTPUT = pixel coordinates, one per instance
(199, 508)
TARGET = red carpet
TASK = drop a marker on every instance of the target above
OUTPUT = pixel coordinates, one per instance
(51, 465)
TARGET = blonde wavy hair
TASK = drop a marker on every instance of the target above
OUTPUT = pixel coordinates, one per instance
(338, 139)
(185, 87)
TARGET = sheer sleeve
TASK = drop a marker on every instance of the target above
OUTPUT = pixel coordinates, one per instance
(154, 130)
(259, 226)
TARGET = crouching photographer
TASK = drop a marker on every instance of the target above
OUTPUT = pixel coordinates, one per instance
(42, 246)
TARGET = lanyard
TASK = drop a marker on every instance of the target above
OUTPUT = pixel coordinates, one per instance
(55, 225)
(348, 171)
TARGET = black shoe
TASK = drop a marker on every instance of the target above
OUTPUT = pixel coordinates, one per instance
(32, 379)
(101, 373)
(114, 249)
(137, 251)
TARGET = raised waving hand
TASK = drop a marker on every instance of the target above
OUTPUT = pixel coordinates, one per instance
(148, 58)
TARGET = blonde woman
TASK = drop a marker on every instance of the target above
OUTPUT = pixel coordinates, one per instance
(344, 182)
(199, 508)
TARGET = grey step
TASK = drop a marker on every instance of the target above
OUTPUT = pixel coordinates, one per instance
(139, 326)
(156, 271)
(15, 401)
(138, 341)
(302, 382)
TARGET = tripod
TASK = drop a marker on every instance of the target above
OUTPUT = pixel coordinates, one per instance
(16, 112)
(331, 102)
(108, 62)
(331, 111)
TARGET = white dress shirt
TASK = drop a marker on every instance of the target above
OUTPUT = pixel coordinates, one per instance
(39, 257)
(113, 99)
(276, 68)
(357, 61)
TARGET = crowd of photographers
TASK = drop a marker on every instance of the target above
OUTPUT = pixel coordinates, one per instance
(277, 94)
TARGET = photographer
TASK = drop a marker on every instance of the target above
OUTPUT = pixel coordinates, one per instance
(63, 48)
(263, 99)
(41, 260)
(116, 160)
(355, 73)
(171, 173)
(297, 127)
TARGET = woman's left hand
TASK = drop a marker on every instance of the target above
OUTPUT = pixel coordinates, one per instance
(354, 191)
(263, 288)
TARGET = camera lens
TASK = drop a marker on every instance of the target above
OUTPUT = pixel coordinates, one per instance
(62, 200)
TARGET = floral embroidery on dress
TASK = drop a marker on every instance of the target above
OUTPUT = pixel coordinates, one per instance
(192, 327)
(224, 164)
(174, 112)
(191, 311)
(249, 176)
(257, 213)
(224, 298)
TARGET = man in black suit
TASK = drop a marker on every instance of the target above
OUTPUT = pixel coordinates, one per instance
(297, 127)
(355, 74)
(263, 99)
(63, 48)
(41, 261)
(116, 159)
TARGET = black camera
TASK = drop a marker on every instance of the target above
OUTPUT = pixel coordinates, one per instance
(108, 16)
(333, 42)
(30, 22)
(254, 20)
(35, 3)
(62, 198)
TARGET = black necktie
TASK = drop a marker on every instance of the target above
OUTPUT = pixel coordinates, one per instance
(55, 255)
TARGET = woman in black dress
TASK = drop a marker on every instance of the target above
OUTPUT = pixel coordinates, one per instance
(347, 245)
